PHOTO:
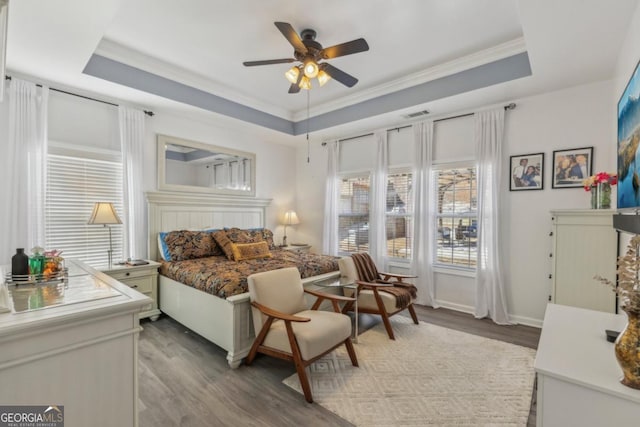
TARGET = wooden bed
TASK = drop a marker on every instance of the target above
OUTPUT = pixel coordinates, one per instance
(225, 322)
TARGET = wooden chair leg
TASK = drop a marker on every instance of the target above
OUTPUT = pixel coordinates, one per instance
(383, 314)
(387, 324)
(351, 351)
(258, 341)
(412, 312)
(297, 360)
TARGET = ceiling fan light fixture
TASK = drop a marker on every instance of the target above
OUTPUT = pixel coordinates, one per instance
(292, 74)
(323, 77)
(305, 83)
(310, 69)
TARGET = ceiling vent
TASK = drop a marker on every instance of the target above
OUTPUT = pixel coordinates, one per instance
(416, 114)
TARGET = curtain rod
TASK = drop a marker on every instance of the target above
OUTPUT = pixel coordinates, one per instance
(148, 113)
(510, 106)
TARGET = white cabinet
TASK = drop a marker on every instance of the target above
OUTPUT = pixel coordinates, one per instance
(73, 344)
(584, 245)
(578, 375)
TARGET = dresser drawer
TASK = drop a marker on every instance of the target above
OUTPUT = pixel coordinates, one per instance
(125, 274)
(140, 284)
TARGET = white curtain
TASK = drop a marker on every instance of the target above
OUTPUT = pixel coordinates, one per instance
(424, 233)
(331, 201)
(490, 293)
(378, 203)
(24, 171)
(132, 132)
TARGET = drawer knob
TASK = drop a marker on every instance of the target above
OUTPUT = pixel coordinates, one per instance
(134, 286)
(127, 273)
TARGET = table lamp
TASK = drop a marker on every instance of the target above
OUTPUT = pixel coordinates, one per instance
(290, 218)
(105, 214)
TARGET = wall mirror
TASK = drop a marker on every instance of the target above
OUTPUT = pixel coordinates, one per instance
(192, 166)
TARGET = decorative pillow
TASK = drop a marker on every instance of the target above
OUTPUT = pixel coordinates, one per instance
(186, 244)
(223, 242)
(242, 251)
(268, 237)
(162, 246)
(238, 235)
(251, 235)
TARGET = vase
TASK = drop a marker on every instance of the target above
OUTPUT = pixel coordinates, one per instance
(627, 350)
(601, 196)
(20, 265)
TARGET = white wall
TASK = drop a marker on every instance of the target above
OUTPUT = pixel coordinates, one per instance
(575, 117)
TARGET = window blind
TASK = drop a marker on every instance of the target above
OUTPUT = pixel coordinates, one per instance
(353, 215)
(399, 209)
(74, 184)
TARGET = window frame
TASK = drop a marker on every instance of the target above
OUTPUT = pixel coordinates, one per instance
(441, 267)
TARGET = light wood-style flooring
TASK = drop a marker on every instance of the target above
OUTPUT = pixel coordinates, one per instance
(184, 380)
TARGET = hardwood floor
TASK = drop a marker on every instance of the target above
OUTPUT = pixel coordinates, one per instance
(184, 380)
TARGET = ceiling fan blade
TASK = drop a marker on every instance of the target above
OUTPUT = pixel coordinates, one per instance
(268, 62)
(348, 48)
(294, 88)
(290, 34)
(336, 73)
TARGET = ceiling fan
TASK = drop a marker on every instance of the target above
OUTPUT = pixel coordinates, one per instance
(310, 53)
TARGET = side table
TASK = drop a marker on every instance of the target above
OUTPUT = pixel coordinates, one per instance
(142, 278)
(343, 283)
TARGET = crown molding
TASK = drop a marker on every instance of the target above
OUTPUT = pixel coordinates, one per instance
(118, 52)
(495, 53)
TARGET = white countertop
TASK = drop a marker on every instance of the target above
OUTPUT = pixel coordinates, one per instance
(86, 292)
(573, 348)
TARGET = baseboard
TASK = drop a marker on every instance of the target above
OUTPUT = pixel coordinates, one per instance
(527, 321)
(520, 320)
(454, 306)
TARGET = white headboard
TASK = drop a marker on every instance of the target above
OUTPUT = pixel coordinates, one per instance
(178, 211)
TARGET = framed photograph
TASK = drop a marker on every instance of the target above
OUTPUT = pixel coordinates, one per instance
(571, 167)
(527, 172)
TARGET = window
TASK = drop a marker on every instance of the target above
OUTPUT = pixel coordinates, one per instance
(399, 209)
(456, 216)
(74, 184)
(353, 215)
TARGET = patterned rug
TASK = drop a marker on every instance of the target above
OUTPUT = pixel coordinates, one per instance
(428, 376)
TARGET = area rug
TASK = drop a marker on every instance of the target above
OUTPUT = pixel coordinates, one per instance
(428, 376)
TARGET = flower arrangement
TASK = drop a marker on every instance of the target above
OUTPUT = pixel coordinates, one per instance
(599, 178)
(628, 288)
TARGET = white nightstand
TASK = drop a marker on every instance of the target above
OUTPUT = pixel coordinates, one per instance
(297, 248)
(142, 278)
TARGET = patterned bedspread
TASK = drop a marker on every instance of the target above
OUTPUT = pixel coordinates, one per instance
(221, 277)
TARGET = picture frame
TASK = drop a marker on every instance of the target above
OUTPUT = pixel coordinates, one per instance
(526, 172)
(571, 167)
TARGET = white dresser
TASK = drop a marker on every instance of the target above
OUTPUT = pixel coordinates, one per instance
(578, 375)
(75, 344)
(584, 244)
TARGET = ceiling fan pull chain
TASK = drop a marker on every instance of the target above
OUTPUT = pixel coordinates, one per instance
(308, 144)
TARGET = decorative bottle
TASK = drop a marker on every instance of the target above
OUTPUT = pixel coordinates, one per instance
(36, 262)
(20, 265)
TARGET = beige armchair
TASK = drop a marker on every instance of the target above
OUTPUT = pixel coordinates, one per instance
(376, 293)
(288, 330)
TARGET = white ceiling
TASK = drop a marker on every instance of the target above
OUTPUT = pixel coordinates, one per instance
(202, 43)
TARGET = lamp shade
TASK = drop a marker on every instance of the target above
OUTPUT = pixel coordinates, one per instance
(104, 213)
(291, 218)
